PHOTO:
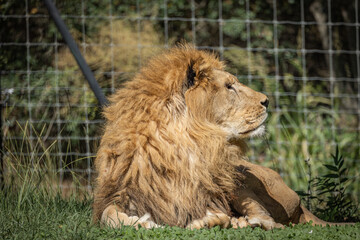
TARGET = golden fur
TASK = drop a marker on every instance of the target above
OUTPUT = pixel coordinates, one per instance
(173, 140)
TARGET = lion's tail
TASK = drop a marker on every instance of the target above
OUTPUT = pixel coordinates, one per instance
(306, 216)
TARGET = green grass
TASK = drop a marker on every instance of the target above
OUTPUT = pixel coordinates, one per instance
(38, 215)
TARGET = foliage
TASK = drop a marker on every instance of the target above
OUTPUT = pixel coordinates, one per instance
(124, 57)
(331, 200)
(295, 138)
(61, 92)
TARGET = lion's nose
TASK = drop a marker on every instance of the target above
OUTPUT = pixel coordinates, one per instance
(265, 103)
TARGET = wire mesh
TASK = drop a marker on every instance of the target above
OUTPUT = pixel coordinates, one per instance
(303, 54)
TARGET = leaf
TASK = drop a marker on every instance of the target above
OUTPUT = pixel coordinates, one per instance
(331, 167)
(326, 191)
(341, 163)
(331, 175)
(340, 160)
(344, 179)
(342, 171)
(337, 152)
(334, 157)
(330, 184)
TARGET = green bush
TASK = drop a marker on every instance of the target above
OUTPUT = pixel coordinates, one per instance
(329, 196)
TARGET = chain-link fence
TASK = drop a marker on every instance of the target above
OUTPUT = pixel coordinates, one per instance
(303, 54)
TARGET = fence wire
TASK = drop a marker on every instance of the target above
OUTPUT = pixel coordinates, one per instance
(303, 54)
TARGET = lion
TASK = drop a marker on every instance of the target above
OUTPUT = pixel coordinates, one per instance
(174, 150)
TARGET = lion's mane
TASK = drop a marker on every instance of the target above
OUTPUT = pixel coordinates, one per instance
(156, 156)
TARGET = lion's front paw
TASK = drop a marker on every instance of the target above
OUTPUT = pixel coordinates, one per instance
(239, 222)
(211, 219)
(197, 224)
(146, 223)
(266, 223)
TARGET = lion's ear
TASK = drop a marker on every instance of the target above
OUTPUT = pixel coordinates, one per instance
(190, 77)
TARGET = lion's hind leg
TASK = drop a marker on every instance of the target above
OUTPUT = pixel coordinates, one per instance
(211, 219)
(114, 217)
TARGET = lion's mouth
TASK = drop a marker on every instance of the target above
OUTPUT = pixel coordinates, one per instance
(252, 130)
(261, 127)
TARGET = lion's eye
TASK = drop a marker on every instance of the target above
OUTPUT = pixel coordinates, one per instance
(229, 86)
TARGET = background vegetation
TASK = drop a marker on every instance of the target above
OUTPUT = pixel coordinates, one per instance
(314, 102)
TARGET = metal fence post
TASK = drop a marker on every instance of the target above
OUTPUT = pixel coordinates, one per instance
(1, 141)
(54, 13)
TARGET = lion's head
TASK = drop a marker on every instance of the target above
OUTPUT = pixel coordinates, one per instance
(220, 98)
(168, 135)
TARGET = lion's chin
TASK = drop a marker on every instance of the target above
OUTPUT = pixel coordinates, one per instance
(258, 132)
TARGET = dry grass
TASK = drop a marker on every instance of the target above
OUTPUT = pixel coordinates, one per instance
(29, 165)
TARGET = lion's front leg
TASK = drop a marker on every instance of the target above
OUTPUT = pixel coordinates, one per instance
(211, 219)
(250, 206)
(114, 217)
